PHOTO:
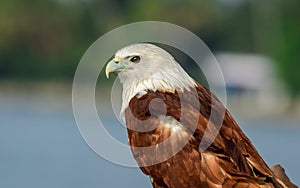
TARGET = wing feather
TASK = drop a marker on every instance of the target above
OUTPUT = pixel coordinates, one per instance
(230, 161)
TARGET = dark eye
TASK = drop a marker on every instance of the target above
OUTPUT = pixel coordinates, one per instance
(135, 59)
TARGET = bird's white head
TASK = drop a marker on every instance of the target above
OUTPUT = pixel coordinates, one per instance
(143, 67)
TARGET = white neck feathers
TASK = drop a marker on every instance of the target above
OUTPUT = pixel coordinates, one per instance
(175, 79)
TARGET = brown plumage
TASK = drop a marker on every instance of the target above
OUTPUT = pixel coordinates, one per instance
(230, 161)
(167, 111)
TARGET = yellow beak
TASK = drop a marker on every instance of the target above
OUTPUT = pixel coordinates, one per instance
(114, 66)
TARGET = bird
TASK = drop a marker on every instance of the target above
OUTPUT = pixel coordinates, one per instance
(167, 113)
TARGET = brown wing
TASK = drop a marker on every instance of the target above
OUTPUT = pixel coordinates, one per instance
(230, 160)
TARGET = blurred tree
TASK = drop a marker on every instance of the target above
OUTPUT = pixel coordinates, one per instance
(46, 39)
(275, 31)
(42, 39)
(286, 48)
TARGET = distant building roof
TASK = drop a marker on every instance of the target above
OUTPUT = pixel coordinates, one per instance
(243, 70)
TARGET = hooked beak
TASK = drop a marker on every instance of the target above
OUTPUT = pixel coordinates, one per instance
(114, 65)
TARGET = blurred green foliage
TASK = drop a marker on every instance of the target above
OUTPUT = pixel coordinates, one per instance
(45, 39)
(286, 48)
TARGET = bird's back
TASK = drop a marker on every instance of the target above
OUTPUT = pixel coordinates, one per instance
(230, 160)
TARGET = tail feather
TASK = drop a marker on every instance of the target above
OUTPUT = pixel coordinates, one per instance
(281, 175)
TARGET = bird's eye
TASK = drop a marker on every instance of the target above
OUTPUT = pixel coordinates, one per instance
(135, 59)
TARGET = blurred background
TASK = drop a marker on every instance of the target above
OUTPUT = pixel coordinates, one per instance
(41, 43)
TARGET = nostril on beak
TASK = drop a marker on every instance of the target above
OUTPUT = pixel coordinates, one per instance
(116, 60)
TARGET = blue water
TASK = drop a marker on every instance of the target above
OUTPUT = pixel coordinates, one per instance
(42, 147)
